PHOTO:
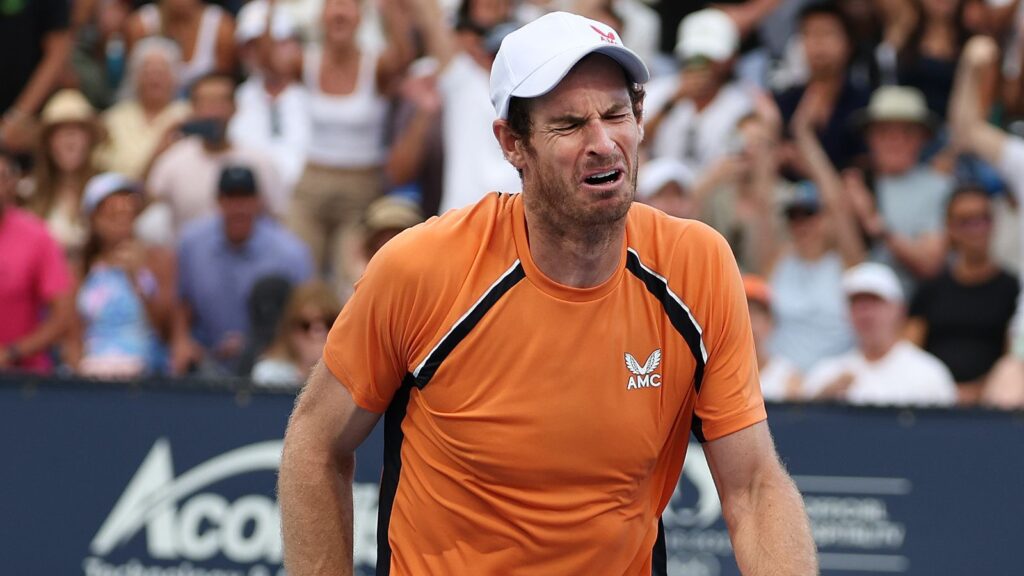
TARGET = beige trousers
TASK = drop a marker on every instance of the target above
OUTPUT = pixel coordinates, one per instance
(327, 211)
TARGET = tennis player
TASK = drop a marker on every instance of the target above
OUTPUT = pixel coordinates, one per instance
(542, 359)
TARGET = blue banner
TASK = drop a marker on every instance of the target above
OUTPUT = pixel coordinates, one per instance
(120, 481)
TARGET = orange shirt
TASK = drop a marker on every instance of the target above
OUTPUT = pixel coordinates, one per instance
(534, 428)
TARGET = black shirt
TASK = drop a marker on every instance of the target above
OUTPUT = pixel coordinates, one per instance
(967, 325)
(23, 25)
(840, 137)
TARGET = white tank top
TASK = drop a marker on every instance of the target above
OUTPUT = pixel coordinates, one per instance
(204, 53)
(348, 129)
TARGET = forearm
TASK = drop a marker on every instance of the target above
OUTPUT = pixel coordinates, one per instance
(923, 257)
(41, 83)
(315, 494)
(407, 153)
(770, 532)
(970, 131)
(51, 330)
(429, 19)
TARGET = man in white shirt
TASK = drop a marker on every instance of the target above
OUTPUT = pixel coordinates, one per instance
(884, 369)
(693, 114)
(185, 176)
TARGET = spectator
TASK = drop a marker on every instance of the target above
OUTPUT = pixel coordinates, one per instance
(923, 40)
(667, 184)
(127, 293)
(385, 219)
(221, 257)
(963, 316)
(827, 48)
(883, 369)
(300, 339)
(1005, 386)
(273, 107)
(780, 379)
(98, 58)
(636, 21)
(806, 272)
(150, 113)
(267, 301)
(204, 33)
(185, 175)
(348, 108)
(473, 162)
(904, 217)
(63, 164)
(35, 284)
(38, 33)
(692, 114)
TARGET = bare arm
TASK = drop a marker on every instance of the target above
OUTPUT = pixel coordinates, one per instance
(970, 131)
(438, 36)
(224, 53)
(400, 50)
(410, 147)
(16, 125)
(315, 482)
(770, 532)
(916, 331)
(837, 209)
(749, 14)
(51, 331)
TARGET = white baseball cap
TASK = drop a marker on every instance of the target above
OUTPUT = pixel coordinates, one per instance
(252, 22)
(99, 187)
(655, 174)
(534, 59)
(710, 33)
(873, 278)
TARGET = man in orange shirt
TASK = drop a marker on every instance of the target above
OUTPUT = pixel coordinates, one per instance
(542, 359)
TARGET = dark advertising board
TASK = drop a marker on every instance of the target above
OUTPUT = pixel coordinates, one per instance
(113, 481)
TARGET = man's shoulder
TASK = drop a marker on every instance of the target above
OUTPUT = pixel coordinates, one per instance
(452, 241)
(26, 225)
(671, 241)
(199, 231)
(281, 239)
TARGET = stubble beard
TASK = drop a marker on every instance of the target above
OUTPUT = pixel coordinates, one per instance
(561, 212)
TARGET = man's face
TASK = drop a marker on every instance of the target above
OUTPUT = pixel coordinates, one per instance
(895, 147)
(240, 213)
(213, 99)
(673, 200)
(825, 45)
(875, 320)
(156, 79)
(579, 163)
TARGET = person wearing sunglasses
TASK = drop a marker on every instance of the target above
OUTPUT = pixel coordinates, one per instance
(300, 338)
(963, 316)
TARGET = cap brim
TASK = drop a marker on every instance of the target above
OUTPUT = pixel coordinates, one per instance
(861, 119)
(545, 78)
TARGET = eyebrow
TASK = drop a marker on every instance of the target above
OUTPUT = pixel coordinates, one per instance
(576, 119)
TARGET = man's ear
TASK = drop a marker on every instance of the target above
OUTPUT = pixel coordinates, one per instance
(511, 144)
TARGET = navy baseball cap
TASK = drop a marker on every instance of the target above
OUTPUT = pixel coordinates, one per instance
(237, 181)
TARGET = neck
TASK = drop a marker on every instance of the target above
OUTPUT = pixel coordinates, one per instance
(577, 258)
(216, 147)
(973, 268)
(340, 51)
(810, 251)
(153, 106)
(274, 84)
(875, 351)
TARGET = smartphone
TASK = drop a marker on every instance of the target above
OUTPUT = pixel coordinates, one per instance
(206, 128)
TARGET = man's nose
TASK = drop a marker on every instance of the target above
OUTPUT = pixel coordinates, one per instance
(599, 139)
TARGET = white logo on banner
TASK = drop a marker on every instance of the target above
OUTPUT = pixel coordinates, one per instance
(244, 531)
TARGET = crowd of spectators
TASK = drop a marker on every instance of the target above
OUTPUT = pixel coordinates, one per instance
(192, 187)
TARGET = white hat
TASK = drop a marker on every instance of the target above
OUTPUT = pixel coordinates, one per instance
(873, 278)
(99, 187)
(711, 33)
(252, 22)
(897, 104)
(654, 175)
(534, 59)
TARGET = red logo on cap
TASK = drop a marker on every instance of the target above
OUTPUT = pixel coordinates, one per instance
(608, 37)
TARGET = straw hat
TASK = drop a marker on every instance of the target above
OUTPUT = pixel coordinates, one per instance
(66, 107)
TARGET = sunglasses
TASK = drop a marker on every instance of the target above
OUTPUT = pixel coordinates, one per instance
(307, 324)
(969, 220)
(800, 214)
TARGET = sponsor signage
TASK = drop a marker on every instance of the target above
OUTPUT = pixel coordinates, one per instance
(115, 482)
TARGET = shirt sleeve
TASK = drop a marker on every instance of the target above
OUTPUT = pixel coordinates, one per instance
(1011, 165)
(729, 398)
(54, 275)
(366, 349)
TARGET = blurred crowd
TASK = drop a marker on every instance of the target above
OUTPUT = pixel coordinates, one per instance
(191, 187)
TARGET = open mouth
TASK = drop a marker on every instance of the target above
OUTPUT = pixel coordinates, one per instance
(607, 177)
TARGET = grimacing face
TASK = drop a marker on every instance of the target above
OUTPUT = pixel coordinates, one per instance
(579, 163)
